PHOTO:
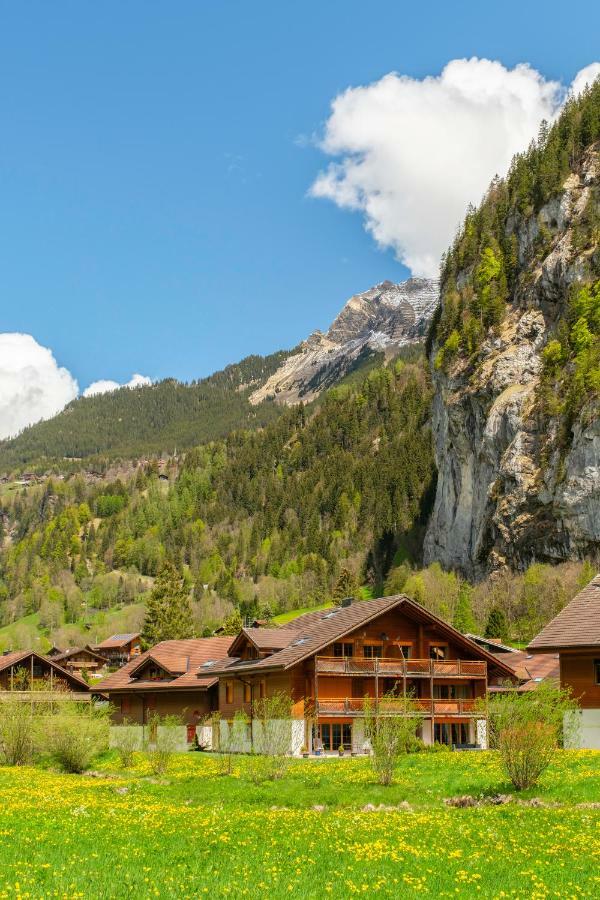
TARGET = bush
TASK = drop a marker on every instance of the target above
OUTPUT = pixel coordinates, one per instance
(272, 718)
(390, 736)
(125, 740)
(17, 733)
(75, 734)
(526, 752)
(527, 728)
(161, 742)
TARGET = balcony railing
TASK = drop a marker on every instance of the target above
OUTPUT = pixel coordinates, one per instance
(387, 666)
(354, 706)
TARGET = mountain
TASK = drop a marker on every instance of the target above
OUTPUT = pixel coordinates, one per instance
(265, 520)
(380, 320)
(149, 420)
(515, 352)
(169, 415)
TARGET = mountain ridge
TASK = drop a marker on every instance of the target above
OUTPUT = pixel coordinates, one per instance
(382, 319)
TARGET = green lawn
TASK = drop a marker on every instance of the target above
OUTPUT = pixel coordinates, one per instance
(196, 832)
(282, 618)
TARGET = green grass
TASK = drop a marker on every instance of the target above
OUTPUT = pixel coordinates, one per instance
(291, 614)
(196, 832)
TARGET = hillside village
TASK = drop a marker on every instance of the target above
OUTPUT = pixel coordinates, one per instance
(330, 664)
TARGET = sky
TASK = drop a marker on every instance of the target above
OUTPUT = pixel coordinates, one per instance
(183, 184)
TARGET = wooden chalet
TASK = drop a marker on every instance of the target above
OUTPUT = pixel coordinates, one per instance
(118, 649)
(575, 635)
(30, 676)
(331, 660)
(80, 659)
(173, 678)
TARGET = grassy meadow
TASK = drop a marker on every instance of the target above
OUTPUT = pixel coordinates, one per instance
(194, 831)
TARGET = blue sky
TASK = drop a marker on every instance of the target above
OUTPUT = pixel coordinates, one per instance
(154, 166)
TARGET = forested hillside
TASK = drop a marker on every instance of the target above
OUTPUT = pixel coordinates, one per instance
(149, 420)
(263, 521)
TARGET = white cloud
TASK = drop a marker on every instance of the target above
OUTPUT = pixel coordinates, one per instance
(412, 154)
(104, 386)
(32, 385)
(585, 77)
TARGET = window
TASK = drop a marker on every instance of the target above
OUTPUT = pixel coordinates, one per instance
(371, 651)
(452, 692)
(262, 689)
(405, 650)
(229, 692)
(335, 736)
(247, 693)
(454, 733)
(597, 671)
(438, 651)
(342, 650)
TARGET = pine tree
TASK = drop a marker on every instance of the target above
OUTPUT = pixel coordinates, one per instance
(345, 586)
(497, 625)
(233, 623)
(168, 611)
(464, 620)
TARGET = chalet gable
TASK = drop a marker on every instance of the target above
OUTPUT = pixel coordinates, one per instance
(317, 633)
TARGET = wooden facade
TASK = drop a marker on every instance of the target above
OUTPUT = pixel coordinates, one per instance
(402, 652)
(30, 676)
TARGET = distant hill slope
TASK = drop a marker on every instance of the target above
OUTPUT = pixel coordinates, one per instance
(168, 416)
(148, 420)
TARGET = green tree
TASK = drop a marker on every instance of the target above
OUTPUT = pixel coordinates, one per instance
(168, 610)
(233, 623)
(464, 619)
(345, 586)
(496, 625)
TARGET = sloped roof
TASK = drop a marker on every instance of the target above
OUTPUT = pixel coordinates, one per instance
(265, 638)
(530, 668)
(490, 644)
(117, 640)
(577, 625)
(183, 659)
(11, 659)
(321, 628)
(73, 651)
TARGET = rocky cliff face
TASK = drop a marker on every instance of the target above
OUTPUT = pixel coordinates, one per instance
(382, 319)
(506, 495)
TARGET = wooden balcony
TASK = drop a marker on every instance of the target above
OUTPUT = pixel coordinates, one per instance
(392, 667)
(355, 706)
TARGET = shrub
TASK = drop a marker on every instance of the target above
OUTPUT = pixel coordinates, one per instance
(272, 717)
(17, 733)
(390, 736)
(230, 739)
(161, 742)
(526, 752)
(75, 734)
(125, 740)
(527, 728)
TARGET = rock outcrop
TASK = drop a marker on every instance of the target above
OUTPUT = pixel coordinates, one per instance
(506, 496)
(382, 319)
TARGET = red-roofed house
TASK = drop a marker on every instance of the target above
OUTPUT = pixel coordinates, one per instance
(33, 677)
(118, 649)
(172, 678)
(330, 660)
(575, 635)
